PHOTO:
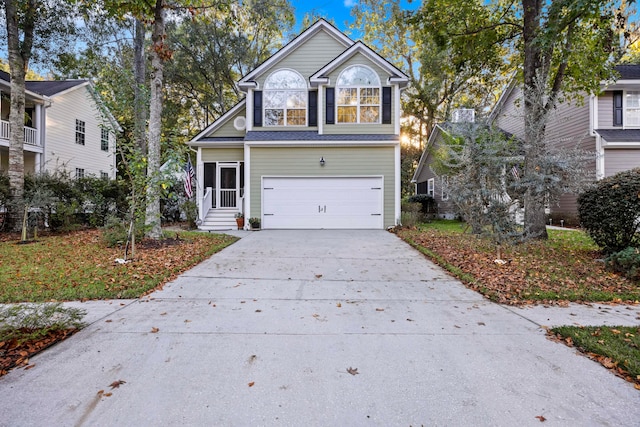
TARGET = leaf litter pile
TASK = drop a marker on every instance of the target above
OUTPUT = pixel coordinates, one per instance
(79, 266)
(566, 268)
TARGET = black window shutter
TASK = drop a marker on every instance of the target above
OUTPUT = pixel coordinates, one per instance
(386, 105)
(330, 103)
(617, 108)
(257, 108)
(313, 108)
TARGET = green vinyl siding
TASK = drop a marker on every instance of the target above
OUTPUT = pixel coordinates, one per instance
(227, 129)
(223, 154)
(309, 57)
(339, 161)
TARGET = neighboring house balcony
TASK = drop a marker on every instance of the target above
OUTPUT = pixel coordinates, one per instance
(31, 135)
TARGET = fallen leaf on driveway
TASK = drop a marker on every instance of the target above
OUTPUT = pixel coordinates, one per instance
(481, 324)
(541, 418)
(251, 384)
(353, 371)
(338, 305)
(154, 330)
(379, 309)
(108, 394)
(116, 384)
(318, 276)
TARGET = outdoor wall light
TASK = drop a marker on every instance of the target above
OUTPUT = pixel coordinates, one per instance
(322, 161)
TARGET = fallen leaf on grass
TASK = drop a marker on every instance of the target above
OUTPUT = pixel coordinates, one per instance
(154, 330)
(353, 371)
(116, 384)
(541, 418)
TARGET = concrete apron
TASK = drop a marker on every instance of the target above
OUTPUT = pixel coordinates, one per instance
(266, 332)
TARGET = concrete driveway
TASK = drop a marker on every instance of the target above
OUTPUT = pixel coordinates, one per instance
(314, 328)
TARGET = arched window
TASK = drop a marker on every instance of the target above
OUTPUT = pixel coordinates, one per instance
(358, 98)
(285, 99)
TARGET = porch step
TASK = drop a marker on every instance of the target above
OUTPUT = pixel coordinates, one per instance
(219, 220)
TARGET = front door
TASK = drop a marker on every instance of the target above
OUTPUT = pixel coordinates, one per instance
(228, 193)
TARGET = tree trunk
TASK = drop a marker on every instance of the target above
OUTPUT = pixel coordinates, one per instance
(158, 54)
(139, 97)
(535, 117)
(19, 55)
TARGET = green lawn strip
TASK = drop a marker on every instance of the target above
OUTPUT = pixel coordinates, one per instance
(615, 347)
(563, 268)
(80, 266)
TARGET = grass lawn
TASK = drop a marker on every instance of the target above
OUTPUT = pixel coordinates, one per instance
(80, 266)
(616, 348)
(567, 267)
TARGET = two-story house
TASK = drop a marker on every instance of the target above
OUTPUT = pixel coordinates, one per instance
(67, 129)
(314, 144)
(607, 124)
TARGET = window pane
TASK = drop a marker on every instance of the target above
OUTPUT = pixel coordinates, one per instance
(632, 117)
(274, 99)
(369, 114)
(285, 79)
(347, 114)
(633, 99)
(358, 76)
(296, 117)
(297, 100)
(370, 96)
(274, 117)
(347, 96)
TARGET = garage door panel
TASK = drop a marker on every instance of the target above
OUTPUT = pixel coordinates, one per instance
(347, 202)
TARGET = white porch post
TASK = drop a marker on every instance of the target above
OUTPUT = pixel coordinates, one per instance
(398, 185)
(247, 184)
(199, 183)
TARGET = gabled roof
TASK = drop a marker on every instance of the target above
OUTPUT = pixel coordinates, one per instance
(619, 135)
(53, 88)
(220, 121)
(397, 76)
(435, 133)
(628, 71)
(248, 81)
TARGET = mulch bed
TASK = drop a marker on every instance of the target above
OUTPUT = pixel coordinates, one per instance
(14, 354)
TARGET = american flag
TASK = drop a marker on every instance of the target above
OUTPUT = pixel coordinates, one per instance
(189, 179)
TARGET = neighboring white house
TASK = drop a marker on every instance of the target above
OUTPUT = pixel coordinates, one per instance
(314, 144)
(67, 129)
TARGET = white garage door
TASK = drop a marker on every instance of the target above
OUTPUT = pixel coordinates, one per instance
(312, 203)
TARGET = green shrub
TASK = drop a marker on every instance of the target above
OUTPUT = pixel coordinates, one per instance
(23, 322)
(116, 231)
(627, 262)
(428, 203)
(411, 214)
(609, 212)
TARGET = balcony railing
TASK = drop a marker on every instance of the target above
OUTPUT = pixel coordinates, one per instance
(30, 134)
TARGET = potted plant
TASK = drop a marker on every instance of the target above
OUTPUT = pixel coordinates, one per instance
(255, 223)
(240, 220)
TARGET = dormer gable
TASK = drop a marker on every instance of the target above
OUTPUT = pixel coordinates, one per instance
(314, 32)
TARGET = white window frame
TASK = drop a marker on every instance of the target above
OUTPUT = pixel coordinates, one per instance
(80, 173)
(445, 183)
(286, 93)
(81, 132)
(358, 104)
(431, 187)
(104, 138)
(626, 109)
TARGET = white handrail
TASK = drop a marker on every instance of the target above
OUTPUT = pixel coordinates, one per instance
(30, 134)
(206, 203)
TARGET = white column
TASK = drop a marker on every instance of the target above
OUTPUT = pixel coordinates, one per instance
(247, 185)
(199, 183)
(398, 185)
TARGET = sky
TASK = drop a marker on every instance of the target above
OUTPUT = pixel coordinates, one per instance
(338, 10)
